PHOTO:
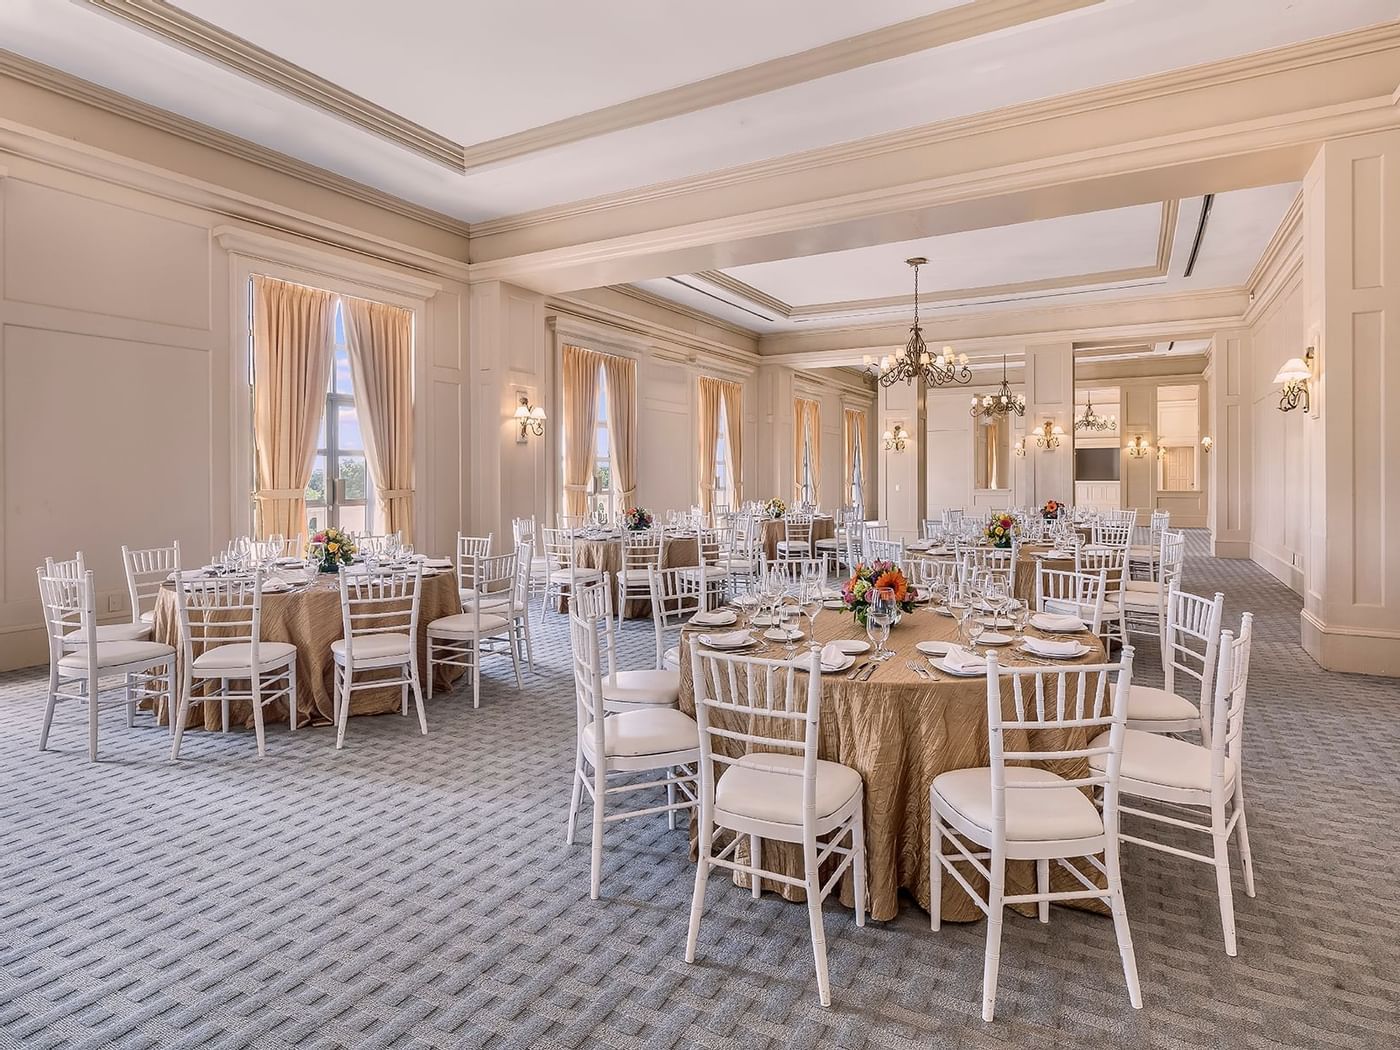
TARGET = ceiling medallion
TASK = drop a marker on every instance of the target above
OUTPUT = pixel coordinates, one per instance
(914, 361)
(1091, 420)
(992, 407)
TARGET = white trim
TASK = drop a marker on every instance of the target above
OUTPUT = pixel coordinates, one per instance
(278, 251)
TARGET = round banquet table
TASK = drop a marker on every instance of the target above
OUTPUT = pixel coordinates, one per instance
(1028, 556)
(899, 732)
(606, 554)
(823, 528)
(309, 618)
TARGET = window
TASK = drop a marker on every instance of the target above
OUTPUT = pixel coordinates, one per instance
(340, 492)
(724, 486)
(602, 497)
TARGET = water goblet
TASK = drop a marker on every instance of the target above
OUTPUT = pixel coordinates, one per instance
(879, 617)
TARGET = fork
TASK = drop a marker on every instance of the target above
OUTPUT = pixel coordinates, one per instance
(919, 670)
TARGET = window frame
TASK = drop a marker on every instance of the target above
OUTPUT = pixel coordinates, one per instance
(330, 451)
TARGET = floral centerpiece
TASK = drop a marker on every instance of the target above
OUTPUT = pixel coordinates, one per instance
(332, 548)
(855, 592)
(636, 519)
(1051, 510)
(775, 508)
(1001, 529)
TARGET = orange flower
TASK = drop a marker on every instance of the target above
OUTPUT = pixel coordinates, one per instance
(896, 582)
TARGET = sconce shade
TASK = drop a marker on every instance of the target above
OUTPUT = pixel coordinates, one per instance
(1294, 370)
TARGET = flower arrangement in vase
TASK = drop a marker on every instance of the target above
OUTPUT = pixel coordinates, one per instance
(1001, 530)
(775, 508)
(1051, 510)
(855, 592)
(332, 548)
(636, 519)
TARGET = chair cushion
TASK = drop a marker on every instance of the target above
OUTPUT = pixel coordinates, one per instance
(1153, 760)
(634, 575)
(239, 656)
(1033, 815)
(748, 790)
(672, 658)
(655, 731)
(1151, 587)
(829, 544)
(567, 576)
(713, 573)
(644, 687)
(795, 545)
(115, 654)
(466, 624)
(149, 616)
(112, 632)
(1149, 704)
(375, 646)
(1143, 601)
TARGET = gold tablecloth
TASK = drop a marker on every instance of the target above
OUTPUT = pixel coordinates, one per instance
(607, 555)
(822, 529)
(310, 620)
(1026, 562)
(899, 732)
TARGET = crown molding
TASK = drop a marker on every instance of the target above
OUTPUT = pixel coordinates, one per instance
(257, 245)
(584, 317)
(68, 86)
(1156, 270)
(641, 295)
(1279, 263)
(184, 30)
(964, 22)
(946, 135)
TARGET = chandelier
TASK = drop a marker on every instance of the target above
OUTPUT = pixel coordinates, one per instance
(992, 407)
(1091, 420)
(914, 361)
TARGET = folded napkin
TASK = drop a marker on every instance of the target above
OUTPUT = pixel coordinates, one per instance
(714, 618)
(1058, 554)
(1052, 647)
(960, 660)
(275, 585)
(728, 640)
(1058, 622)
(438, 563)
(834, 657)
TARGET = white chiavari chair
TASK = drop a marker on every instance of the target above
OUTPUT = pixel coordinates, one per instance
(69, 604)
(797, 537)
(934, 574)
(379, 620)
(1145, 600)
(67, 568)
(221, 635)
(1187, 778)
(651, 687)
(146, 571)
(885, 550)
(829, 548)
(469, 548)
(797, 573)
(371, 544)
(1071, 594)
(1113, 562)
(564, 574)
(975, 563)
(1025, 812)
(74, 569)
(674, 600)
(745, 555)
(612, 748)
(869, 531)
(1190, 647)
(931, 529)
(852, 537)
(486, 623)
(761, 721)
(523, 531)
(953, 518)
(1111, 534)
(1146, 546)
(642, 551)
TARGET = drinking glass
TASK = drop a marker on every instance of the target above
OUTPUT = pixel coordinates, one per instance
(971, 626)
(811, 606)
(789, 614)
(1020, 616)
(878, 619)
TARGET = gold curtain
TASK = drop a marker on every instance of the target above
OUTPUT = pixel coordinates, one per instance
(621, 373)
(806, 416)
(291, 369)
(379, 338)
(710, 394)
(580, 381)
(733, 394)
(855, 447)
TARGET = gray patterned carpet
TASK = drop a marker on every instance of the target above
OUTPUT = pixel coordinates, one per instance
(413, 892)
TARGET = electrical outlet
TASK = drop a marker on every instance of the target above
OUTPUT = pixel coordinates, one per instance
(114, 603)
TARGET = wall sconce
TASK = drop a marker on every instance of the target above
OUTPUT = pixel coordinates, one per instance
(1019, 448)
(1161, 453)
(896, 440)
(1294, 376)
(1207, 443)
(1049, 435)
(531, 420)
(1138, 448)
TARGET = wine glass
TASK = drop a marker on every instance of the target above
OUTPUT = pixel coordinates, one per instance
(1020, 613)
(879, 617)
(971, 625)
(811, 606)
(789, 613)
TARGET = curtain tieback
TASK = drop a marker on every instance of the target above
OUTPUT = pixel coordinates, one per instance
(576, 488)
(279, 493)
(395, 493)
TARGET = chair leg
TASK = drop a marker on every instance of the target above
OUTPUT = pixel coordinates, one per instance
(179, 715)
(1042, 886)
(814, 920)
(702, 877)
(1246, 861)
(756, 859)
(49, 708)
(858, 860)
(1120, 922)
(935, 872)
(130, 705)
(417, 695)
(92, 716)
(223, 704)
(514, 644)
(258, 721)
(403, 700)
(991, 962)
(670, 801)
(600, 785)
(1227, 895)
(343, 720)
(474, 646)
(292, 696)
(575, 795)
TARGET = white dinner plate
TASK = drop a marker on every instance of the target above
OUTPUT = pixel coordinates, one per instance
(1083, 650)
(777, 634)
(840, 665)
(833, 603)
(995, 638)
(933, 648)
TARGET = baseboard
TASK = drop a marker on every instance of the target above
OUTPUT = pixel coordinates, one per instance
(1288, 574)
(1230, 548)
(1354, 650)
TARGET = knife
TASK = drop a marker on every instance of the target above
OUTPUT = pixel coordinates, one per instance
(869, 670)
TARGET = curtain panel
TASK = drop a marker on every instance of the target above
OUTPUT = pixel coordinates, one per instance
(711, 393)
(621, 373)
(733, 394)
(580, 388)
(807, 444)
(855, 431)
(292, 331)
(379, 338)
